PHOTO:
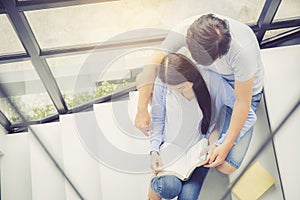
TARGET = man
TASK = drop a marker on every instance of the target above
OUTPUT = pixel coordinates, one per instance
(227, 47)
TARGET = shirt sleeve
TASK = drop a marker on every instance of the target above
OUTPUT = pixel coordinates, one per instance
(245, 63)
(175, 40)
(158, 113)
(223, 94)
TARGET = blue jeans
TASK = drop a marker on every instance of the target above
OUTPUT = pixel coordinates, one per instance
(238, 151)
(169, 187)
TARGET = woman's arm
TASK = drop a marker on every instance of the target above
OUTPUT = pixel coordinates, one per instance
(158, 113)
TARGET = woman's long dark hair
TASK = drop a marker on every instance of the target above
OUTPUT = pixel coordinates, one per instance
(176, 69)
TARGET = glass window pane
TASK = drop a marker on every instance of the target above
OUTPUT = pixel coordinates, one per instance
(288, 9)
(8, 111)
(84, 77)
(8, 38)
(99, 22)
(26, 90)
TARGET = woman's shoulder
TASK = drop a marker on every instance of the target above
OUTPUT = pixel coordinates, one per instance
(209, 75)
(216, 84)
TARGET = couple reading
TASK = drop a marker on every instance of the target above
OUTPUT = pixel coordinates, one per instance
(202, 111)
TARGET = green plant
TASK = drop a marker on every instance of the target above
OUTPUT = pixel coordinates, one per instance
(72, 100)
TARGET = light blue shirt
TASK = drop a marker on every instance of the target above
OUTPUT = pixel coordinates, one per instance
(222, 94)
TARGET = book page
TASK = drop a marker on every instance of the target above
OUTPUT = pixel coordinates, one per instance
(184, 162)
(194, 152)
(179, 168)
(174, 159)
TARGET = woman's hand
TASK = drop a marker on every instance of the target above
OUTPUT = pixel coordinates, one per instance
(156, 162)
(217, 155)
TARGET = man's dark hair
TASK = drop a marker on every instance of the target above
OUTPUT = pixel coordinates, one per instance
(208, 38)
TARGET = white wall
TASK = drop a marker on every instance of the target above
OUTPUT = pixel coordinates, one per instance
(27, 172)
(2, 142)
(2, 138)
(47, 181)
(16, 168)
(282, 89)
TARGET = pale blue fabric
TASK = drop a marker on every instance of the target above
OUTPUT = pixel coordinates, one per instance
(222, 94)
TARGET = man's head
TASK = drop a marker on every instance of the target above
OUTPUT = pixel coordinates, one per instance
(208, 38)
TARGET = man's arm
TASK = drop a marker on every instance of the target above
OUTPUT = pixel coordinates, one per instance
(144, 82)
(243, 92)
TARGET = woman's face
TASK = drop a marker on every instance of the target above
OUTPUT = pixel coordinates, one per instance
(182, 88)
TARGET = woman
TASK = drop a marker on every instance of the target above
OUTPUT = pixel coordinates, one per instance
(183, 96)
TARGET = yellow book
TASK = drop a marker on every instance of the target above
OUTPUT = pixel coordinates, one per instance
(254, 183)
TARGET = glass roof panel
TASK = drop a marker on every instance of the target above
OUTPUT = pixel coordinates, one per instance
(99, 22)
(84, 77)
(288, 9)
(26, 90)
(10, 44)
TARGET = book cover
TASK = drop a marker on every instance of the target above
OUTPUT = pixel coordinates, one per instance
(254, 183)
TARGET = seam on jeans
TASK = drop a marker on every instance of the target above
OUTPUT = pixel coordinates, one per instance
(157, 186)
(233, 163)
(160, 185)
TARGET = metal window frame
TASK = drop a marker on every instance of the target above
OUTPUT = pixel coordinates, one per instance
(2, 10)
(266, 17)
(27, 5)
(285, 23)
(5, 122)
(14, 58)
(290, 37)
(86, 48)
(31, 46)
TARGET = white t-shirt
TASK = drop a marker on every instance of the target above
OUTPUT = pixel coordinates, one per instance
(182, 120)
(243, 59)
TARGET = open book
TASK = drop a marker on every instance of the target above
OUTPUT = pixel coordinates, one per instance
(186, 163)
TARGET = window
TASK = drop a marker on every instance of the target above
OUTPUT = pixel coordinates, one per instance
(9, 41)
(288, 9)
(94, 23)
(84, 77)
(26, 90)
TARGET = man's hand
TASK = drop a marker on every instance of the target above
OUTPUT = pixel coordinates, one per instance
(156, 163)
(143, 121)
(217, 155)
(144, 84)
